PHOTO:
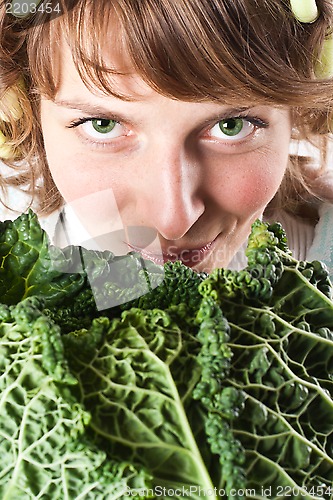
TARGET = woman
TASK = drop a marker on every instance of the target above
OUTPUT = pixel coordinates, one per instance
(174, 116)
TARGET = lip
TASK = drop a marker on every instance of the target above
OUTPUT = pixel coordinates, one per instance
(189, 257)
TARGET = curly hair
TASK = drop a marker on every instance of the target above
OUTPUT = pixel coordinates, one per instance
(244, 51)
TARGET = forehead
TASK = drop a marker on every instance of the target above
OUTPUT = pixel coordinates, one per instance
(191, 50)
(122, 76)
(152, 42)
(74, 93)
(122, 83)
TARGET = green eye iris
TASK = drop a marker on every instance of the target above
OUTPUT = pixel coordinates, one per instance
(103, 126)
(231, 126)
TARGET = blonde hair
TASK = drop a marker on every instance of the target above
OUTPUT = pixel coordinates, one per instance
(249, 51)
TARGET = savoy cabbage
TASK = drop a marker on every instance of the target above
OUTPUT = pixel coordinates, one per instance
(218, 386)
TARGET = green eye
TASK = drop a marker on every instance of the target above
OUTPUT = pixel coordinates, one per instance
(103, 126)
(231, 126)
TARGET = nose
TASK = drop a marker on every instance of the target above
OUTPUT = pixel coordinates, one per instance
(170, 197)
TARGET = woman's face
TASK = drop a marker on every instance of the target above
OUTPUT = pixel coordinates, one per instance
(198, 173)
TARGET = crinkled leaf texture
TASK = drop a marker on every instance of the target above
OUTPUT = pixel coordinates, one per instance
(133, 398)
(71, 280)
(44, 449)
(282, 343)
(138, 385)
(221, 382)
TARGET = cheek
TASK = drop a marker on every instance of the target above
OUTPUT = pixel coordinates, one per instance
(63, 166)
(74, 174)
(252, 186)
(258, 189)
(68, 175)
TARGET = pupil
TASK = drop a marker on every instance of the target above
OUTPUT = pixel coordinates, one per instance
(103, 123)
(103, 126)
(231, 126)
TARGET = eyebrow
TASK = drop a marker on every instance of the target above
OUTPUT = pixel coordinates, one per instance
(97, 111)
(229, 113)
(85, 107)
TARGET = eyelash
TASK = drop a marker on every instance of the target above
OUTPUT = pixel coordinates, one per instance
(257, 122)
(95, 143)
(81, 121)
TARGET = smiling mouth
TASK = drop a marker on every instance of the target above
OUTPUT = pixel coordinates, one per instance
(189, 258)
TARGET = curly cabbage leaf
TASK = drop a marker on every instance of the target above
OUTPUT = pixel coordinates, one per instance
(45, 451)
(282, 343)
(217, 385)
(73, 279)
(137, 384)
(26, 267)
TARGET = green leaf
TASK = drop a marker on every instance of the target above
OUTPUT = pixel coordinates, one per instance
(27, 267)
(210, 383)
(138, 406)
(282, 345)
(44, 449)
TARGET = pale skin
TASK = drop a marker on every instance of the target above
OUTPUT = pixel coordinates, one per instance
(199, 173)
